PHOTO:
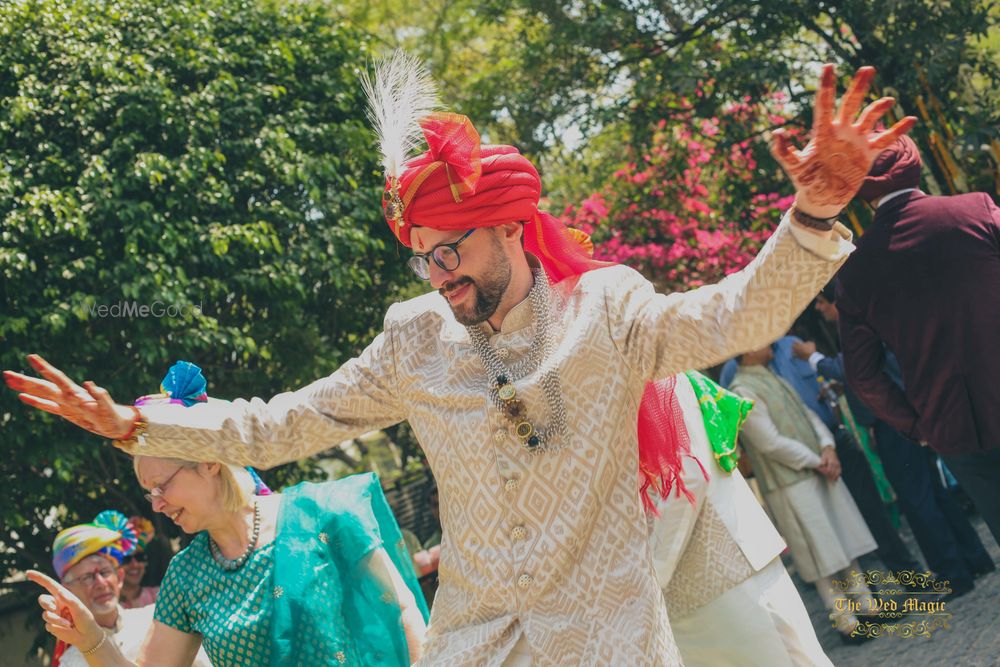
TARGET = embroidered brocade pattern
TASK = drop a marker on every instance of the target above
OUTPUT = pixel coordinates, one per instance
(712, 563)
(591, 599)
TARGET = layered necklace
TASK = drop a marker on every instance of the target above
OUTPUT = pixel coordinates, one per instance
(502, 392)
(230, 564)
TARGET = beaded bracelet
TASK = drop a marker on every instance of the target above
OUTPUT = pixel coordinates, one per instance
(104, 638)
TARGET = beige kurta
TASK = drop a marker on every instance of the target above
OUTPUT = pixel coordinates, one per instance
(550, 546)
(818, 518)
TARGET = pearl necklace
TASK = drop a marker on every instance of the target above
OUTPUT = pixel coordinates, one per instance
(502, 391)
(236, 563)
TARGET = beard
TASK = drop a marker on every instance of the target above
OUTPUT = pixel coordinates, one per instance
(487, 291)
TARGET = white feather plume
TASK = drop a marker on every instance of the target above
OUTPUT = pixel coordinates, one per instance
(401, 93)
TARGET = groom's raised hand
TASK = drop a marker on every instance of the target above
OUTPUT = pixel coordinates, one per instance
(828, 172)
(88, 406)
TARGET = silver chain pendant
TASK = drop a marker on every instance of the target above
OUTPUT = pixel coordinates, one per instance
(502, 391)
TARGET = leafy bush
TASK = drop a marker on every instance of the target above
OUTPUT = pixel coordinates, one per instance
(206, 159)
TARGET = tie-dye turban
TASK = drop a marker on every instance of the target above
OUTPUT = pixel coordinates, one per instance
(110, 534)
(144, 531)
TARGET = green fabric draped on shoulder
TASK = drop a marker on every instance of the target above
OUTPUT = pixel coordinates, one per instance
(334, 603)
(723, 413)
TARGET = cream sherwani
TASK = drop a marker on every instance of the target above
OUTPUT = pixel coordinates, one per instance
(550, 549)
(731, 602)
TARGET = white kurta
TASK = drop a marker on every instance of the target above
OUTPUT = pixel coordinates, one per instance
(728, 494)
(551, 547)
(756, 621)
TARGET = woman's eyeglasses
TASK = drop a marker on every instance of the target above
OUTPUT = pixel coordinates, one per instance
(160, 489)
(445, 255)
(134, 558)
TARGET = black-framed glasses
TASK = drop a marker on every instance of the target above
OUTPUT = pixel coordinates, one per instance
(158, 490)
(445, 255)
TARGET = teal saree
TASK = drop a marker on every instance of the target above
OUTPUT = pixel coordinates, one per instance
(333, 602)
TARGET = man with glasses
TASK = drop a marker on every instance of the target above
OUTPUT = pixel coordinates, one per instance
(524, 382)
(88, 560)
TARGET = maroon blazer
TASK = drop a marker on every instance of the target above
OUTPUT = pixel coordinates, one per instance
(925, 282)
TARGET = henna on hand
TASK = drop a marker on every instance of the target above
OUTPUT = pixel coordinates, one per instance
(89, 406)
(828, 172)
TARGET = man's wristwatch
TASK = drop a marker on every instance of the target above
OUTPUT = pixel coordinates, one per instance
(812, 222)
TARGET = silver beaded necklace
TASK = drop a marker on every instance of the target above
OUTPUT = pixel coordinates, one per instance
(502, 378)
(230, 564)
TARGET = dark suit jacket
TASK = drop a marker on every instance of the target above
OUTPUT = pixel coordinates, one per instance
(925, 281)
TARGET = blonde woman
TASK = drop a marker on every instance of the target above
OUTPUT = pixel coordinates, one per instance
(315, 575)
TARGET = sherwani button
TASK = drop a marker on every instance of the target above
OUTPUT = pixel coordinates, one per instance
(499, 434)
(503, 352)
(510, 486)
(525, 580)
(519, 533)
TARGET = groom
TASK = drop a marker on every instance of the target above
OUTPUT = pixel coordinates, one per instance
(521, 378)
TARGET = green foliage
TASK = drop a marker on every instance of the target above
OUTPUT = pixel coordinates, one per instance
(578, 86)
(471, 51)
(208, 159)
(611, 66)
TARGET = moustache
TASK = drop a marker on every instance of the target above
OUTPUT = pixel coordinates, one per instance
(455, 284)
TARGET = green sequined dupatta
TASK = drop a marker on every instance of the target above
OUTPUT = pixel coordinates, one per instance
(333, 605)
(723, 413)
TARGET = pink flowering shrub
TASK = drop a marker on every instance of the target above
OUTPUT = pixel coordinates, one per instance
(690, 210)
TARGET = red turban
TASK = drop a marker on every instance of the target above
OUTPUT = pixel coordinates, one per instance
(459, 184)
(895, 168)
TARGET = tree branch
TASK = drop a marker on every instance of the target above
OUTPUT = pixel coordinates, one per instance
(848, 56)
